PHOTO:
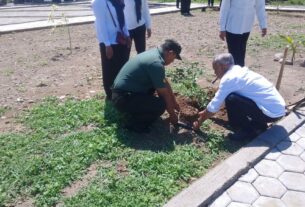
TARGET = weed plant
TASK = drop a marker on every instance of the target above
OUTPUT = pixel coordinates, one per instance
(60, 141)
(184, 80)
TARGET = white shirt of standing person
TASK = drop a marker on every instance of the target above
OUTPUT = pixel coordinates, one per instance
(131, 17)
(238, 16)
(105, 27)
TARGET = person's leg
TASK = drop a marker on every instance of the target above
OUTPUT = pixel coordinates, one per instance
(144, 109)
(183, 6)
(209, 3)
(111, 67)
(243, 47)
(188, 6)
(106, 68)
(237, 46)
(244, 114)
(139, 38)
(212, 3)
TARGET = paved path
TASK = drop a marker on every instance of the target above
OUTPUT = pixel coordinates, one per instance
(268, 172)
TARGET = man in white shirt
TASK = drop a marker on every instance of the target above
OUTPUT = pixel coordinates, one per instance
(113, 38)
(236, 21)
(251, 100)
(138, 22)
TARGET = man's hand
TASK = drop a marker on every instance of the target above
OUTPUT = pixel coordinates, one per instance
(109, 52)
(222, 35)
(148, 33)
(203, 115)
(197, 124)
(264, 32)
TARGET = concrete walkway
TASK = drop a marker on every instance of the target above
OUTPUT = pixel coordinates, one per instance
(268, 172)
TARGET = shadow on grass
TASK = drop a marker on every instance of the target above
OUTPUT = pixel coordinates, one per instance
(161, 137)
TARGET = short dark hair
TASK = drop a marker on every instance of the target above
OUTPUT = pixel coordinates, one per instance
(170, 44)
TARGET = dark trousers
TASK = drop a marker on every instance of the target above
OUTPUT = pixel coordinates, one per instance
(111, 67)
(237, 44)
(211, 2)
(141, 109)
(243, 113)
(185, 6)
(138, 35)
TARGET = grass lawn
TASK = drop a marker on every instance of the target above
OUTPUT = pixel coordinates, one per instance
(62, 139)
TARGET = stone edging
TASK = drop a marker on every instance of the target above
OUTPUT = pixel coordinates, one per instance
(207, 188)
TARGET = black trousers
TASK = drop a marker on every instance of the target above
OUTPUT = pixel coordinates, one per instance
(211, 2)
(243, 113)
(111, 67)
(237, 44)
(185, 6)
(138, 35)
(141, 109)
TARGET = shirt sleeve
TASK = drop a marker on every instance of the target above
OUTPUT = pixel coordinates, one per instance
(261, 13)
(225, 88)
(146, 14)
(99, 9)
(224, 12)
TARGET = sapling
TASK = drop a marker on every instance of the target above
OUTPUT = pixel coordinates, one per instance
(63, 21)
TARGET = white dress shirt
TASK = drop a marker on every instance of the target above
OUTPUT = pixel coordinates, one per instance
(131, 17)
(237, 16)
(105, 28)
(252, 85)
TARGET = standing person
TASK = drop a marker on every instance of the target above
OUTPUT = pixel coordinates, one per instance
(113, 38)
(236, 21)
(185, 7)
(250, 99)
(135, 86)
(138, 22)
(211, 3)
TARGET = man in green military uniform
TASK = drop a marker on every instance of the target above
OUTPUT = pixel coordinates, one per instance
(135, 86)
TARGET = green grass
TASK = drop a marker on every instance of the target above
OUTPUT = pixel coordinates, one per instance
(273, 41)
(3, 110)
(287, 2)
(63, 138)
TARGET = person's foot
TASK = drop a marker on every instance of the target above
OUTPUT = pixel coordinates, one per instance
(187, 14)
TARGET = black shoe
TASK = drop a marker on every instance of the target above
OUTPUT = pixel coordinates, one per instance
(242, 135)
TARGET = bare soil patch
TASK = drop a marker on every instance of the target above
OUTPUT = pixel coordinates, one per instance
(36, 64)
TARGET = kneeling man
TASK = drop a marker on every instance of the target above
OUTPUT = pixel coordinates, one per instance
(135, 86)
(250, 99)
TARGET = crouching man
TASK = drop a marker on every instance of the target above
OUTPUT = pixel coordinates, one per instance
(250, 99)
(135, 86)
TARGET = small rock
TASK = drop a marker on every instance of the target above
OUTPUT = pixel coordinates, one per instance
(7, 122)
(92, 91)
(20, 100)
(288, 62)
(62, 97)
(41, 84)
(3, 117)
(31, 101)
(278, 56)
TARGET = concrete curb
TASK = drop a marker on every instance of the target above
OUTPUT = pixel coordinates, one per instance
(207, 188)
